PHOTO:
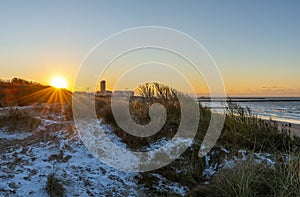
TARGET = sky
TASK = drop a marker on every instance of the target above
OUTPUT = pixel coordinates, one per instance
(255, 44)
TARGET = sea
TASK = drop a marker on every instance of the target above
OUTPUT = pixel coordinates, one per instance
(284, 109)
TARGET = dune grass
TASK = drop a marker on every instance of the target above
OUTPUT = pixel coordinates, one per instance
(54, 187)
(249, 178)
(19, 120)
(242, 131)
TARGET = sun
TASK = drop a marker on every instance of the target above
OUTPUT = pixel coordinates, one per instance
(58, 82)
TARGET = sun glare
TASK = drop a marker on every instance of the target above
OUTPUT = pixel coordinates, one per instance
(58, 82)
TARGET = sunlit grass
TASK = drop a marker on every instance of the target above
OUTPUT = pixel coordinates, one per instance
(57, 100)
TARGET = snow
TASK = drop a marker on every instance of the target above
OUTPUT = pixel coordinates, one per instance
(106, 145)
(165, 185)
(231, 159)
(24, 169)
(81, 174)
(4, 134)
(30, 157)
(264, 158)
(171, 149)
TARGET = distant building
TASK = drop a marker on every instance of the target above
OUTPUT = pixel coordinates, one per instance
(118, 93)
(102, 86)
(123, 93)
(103, 91)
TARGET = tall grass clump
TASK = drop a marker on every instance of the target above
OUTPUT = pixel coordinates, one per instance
(54, 187)
(18, 120)
(250, 178)
(244, 130)
(68, 112)
(103, 109)
(246, 178)
(285, 177)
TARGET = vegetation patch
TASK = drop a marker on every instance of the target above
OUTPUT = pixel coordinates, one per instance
(19, 120)
(250, 178)
(242, 131)
(54, 187)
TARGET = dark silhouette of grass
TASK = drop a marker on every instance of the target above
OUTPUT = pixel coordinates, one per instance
(54, 187)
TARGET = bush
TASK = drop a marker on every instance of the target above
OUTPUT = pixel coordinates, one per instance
(157, 90)
(139, 111)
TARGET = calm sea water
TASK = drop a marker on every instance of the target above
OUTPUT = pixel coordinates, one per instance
(280, 109)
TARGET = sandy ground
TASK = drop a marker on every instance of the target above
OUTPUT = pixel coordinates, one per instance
(294, 128)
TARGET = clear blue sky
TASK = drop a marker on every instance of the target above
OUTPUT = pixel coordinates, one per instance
(256, 44)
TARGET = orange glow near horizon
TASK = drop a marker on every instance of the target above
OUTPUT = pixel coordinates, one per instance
(54, 99)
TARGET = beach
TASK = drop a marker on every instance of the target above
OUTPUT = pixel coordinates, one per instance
(294, 128)
(284, 111)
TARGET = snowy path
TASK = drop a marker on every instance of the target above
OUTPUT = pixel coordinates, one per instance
(28, 158)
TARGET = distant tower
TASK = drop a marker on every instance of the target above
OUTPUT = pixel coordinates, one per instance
(102, 87)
